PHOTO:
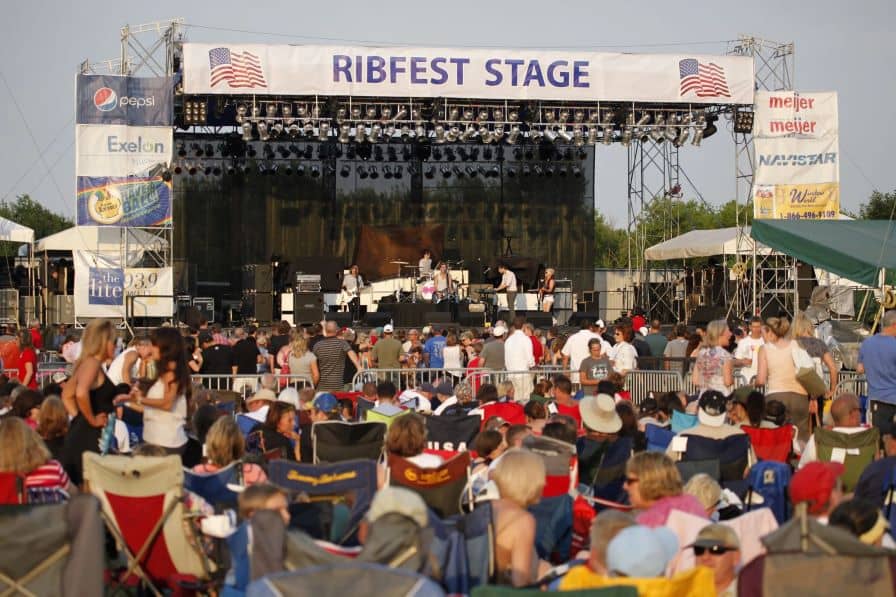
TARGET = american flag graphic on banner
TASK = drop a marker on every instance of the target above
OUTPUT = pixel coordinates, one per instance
(237, 69)
(705, 79)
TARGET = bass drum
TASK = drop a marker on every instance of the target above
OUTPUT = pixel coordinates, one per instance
(428, 290)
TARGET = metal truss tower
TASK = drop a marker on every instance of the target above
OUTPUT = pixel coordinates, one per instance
(773, 283)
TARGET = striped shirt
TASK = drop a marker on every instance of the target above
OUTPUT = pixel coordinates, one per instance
(50, 474)
(330, 353)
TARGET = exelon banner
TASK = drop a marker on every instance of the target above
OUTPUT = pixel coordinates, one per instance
(498, 74)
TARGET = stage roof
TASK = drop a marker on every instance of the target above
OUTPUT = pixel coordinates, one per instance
(704, 243)
(854, 249)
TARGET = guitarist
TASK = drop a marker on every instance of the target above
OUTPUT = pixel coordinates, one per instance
(350, 298)
(546, 291)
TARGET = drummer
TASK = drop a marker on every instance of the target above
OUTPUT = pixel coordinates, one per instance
(443, 281)
(425, 264)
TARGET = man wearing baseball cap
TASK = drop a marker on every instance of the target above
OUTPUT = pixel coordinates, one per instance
(718, 547)
(386, 353)
(325, 407)
(712, 412)
(818, 486)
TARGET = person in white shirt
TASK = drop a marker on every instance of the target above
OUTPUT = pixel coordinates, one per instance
(847, 414)
(519, 356)
(350, 298)
(508, 285)
(128, 365)
(748, 349)
(623, 355)
(425, 264)
(576, 348)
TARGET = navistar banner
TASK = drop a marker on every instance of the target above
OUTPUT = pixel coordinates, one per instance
(108, 99)
(464, 72)
(119, 150)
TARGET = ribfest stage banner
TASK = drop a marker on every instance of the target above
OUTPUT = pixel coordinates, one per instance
(499, 74)
(102, 285)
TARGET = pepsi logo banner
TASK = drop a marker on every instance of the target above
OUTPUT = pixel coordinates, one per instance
(143, 201)
(119, 150)
(403, 72)
(785, 113)
(108, 99)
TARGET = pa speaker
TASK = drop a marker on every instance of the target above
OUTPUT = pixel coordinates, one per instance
(539, 319)
(438, 317)
(576, 318)
(471, 319)
(375, 319)
(342, 318)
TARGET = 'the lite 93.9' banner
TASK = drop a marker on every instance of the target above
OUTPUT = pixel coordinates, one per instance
(142, 201)
(102, 288)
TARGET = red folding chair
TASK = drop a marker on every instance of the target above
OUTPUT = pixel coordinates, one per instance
(143, 507)
(12, 489)
(771, 444)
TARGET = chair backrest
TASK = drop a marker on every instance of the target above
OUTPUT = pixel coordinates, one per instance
(889, 493)
(212, 487)
(559, 462)
(509, 411)
(136, 495)
(361, 407)
(478, 529)
(12, 489)
(770, 480)
(771, 444)
(372, 416)
(452, 432)
(854, 450)
(658, 438)
(333, 482)
(553, 528)
(682, 421)
(336, 441)
(731, 452)
(441, 488)
(689, 468)
(602, 466)
(245, 423)
(345, 579)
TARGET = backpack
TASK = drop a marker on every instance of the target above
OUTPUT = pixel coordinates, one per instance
(854, 450)
(770, 479)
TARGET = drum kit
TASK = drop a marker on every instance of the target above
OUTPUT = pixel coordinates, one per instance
(423, 285)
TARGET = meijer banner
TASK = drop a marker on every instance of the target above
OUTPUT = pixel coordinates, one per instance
(109, 99)
(120, 150)
(403, 72)
(783, 113)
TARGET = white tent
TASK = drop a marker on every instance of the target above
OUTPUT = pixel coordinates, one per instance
(705, 243)
(104, 240)
(10, 231)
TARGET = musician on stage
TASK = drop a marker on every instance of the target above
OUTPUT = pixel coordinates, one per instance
(546, 291)
(352, 283)
(508, 285)
(425, 264)
(443, 281)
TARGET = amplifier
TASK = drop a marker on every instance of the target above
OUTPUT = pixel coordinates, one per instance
(206, 307)
(307, 283)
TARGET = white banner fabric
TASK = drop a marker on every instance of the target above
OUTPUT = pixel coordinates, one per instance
(788, 160)
(782, 113)
(497, 74)
(120, 150)
(102, 285)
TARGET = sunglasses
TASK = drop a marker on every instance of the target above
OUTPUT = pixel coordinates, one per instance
(630, 480)
(715, 550)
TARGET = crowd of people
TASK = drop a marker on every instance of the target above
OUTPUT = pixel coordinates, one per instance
(638, 468)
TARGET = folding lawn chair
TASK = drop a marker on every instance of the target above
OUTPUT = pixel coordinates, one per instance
(335, 441)
(213, 487)
(143, 508)
(441, 488)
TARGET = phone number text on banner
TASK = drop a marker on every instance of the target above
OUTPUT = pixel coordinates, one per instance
(124, 201)
(797, 202)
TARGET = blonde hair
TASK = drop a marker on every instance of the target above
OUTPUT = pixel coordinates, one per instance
(23, 449)
(96, 336)
(779, 326)
(255, 497)
(52, 422)
(224, 443)
(549, 271)
(520, 477)
(299, 344)
(707, 491)
(801, 326)
(504, 388)
(657, 475)
(714, 331)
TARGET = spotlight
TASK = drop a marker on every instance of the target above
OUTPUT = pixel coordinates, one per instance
(360, 133)
(387, 172)
(286, 111)
(393, 156)
(263, 133)
(309, 152)
(286, 169)
(241, 113)
(685, 132)
(293, 131)
(446, 171)
(539, 171)
(607, 126)
(374, 173)
(487, 153)
(362, 172)
(453, 134)
(469, 133)
(192, 169)
(699, 129)
(550, 135)
(323, 131)
(271, 110)
(375, 133)
(344, 171)
(398, 171)
(436, 153)
(378, 153)
(657, 132)
(710, 125)
(471, 171)
(592, 135)
(430, 172)
(549, 171)
(511, 171)
(182, 151)
(344, 131)
(439, 134)
(462, 154)
(300, 169)
(449, 154)
(514, 134)
(276, 130)
(562, 171)
(526, 170)
(400, 114)
(315, 171)
(576, 171)
(743, 121)
(251, 151)
(563, 134)
(350, 152)
(209, 150)
(268, 152)
(231, 170)
(671, 130)
(458, 172)
(166, 175)
(283, 151)
(178, 169)
(197, 151)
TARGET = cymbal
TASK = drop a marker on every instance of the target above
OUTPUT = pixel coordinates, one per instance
(396, 262)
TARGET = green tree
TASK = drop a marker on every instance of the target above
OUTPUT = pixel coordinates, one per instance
(880, 206)
(610, 244)
(28, 212)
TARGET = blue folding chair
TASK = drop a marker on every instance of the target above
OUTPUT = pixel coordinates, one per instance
(212, 487)
(682, 421)
(658, 438)
(245, 423)
(553, 528)
(770, 480)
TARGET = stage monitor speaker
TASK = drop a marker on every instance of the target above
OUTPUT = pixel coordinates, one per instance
(342, 318)
(206, 307)
(328, 267)
(471, 319)
(576, 318)
(587, 306)
(259, 307)
(308, 307)
(189, 316)
(706, 313)
(258, 277)
(61, 309)
(539, 319)
(433, 317)
(376, 319)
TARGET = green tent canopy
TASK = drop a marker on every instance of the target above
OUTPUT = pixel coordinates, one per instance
(854, 249)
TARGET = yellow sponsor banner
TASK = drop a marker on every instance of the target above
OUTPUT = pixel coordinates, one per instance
(808, 201)
(764, 202)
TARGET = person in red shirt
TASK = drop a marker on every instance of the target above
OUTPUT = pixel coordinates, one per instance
(27, 365)
(36, 339)
(563, 399)
(638, 320)
(537, 348)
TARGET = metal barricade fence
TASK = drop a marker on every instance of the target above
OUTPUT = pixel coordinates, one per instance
(640, 383)
(249, 384)
(409, 378)
(852, 381)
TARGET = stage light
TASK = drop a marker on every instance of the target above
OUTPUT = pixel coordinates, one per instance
(344, 171)
(463, 154)
(511, 172)
(420, 131)
(592, 134)
(362, 172)
(398, 171)
(513, 116)
(404, 134)
(309, 152)
(276, 130)
(656, 132)
(576, 171)
(392, 154)
(315, 171)
(526, 170)
(578, 116)
(699, 129)
(360, 133)
(209, 150)
(192, 169)
(344, 132)
(562, 171)
(375, 133)
(446, 172)
(548, 116)
(439, 134)
(429, 172)
(323, 131)
(563, 135)
(607, 126)
(539, 171)
(250, 151)
(268, 152)
(401, 114)
(578, 136)
(671, 130)
(471, 171)
(493, 172)
(263, 131)
(487, 153)
(467, 115)
(710, 126)
(308, 129)
(449, 154)
(231, 170)
(436, 153)
(514, 135)
(535, 135)
(256, 113)
(457, 171)
(286, 111)
(564, 116)
(374, 173)
(528, 154)
(387, 172)
(550, 135)
(166, 175)
(743, 121)
(453, 134)
(549, 171)
(196, 149)
(341, 115)
(293, 131)
(271, 111)
(685, 132)
(286, 169)
(178, 169)
(241, 113)
(182, 150)
(469, 133)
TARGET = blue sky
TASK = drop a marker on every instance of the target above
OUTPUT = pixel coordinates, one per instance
(844, 47)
